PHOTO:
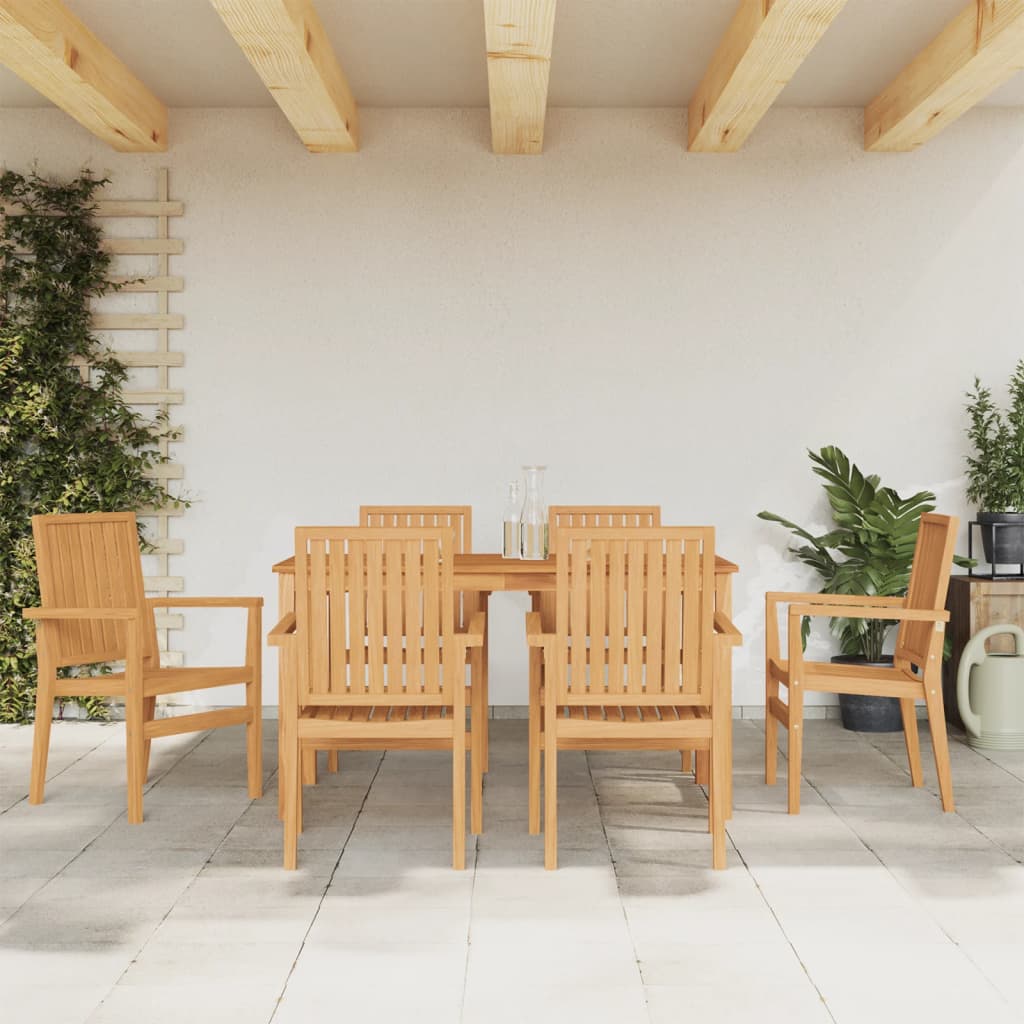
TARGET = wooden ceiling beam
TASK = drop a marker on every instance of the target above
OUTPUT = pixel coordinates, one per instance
(287, 45)
(44, 44)
(767, 40)
(519, 35)
(972, 56)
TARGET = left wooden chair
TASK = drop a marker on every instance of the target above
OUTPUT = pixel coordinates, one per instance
(94, 609)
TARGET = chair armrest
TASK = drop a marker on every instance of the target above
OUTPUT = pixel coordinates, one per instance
(283, 631)
(725, 628)
(870, 611)
(779, 597)
(48, 614)
(205, 602)
(474, 635)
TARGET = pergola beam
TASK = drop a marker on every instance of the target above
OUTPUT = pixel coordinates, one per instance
(767, 40)
(972, 56)
(519, 35)
(287, 45)
(44, 44)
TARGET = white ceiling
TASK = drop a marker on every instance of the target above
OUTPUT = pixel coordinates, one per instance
(430, 53)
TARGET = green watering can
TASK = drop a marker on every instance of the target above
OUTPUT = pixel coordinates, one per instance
(990, 692)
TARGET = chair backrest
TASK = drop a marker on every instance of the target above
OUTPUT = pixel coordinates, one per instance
(634, 614)
(929, 581)
(457, 517)
(92, 560)
(376, 616)
(561, 517)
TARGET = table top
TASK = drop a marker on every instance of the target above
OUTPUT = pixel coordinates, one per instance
(485, 571)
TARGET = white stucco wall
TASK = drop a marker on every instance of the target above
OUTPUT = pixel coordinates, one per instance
(412, 323)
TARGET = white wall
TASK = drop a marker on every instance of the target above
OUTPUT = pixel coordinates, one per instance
(412, 323)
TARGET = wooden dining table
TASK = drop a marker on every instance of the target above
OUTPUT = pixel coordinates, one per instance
(484, 573)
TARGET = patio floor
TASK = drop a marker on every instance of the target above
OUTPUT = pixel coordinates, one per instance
(871, 906)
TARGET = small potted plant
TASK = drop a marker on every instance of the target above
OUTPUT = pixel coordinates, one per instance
(995, 472)
(869, 551)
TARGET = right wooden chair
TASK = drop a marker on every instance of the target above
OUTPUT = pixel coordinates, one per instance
(634, 659)
(372, 658)
(917, 667)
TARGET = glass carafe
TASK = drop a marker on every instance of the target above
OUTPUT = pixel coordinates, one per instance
(510, 523)
(533, 521)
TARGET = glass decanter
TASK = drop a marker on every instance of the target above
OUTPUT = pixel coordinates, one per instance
(533, 521)
(510, 523)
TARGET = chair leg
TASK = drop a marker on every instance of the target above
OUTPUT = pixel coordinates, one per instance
(309, 767)
(550, 799)
(909, 713)
(702, 770)
(534, 730)
(291, 788)
(771, 731)
(719, 769)
(41, 733)
(796, 746)
(136, 753)
(333, 763)
(940, 745)
(477, 734)
(459, 796)
(485, 660)
(148, 714)
(686, 761)
(254, 741)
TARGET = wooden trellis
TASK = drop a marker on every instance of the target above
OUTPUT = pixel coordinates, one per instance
(143, 265)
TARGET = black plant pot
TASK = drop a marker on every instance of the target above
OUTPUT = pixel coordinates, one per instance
(1003, 543)
(868, 714)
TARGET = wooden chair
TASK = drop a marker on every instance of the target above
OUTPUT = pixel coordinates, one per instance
(916, 672)
(372, 658)
(94, 609)
(634, 661)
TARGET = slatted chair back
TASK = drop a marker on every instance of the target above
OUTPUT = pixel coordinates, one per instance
(929, 580)
(376, 618)
(91, 560)
(634, 614)
(563, 517)
(457, 517)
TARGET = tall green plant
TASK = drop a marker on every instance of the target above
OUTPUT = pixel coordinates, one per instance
(868, 552)
(67, 444)
(995, 472)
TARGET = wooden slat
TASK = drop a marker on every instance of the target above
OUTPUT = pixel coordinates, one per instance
(635, 576)
(196, 723)
(139, 208)
(598, 614)
(655, 605)
(159, 283)
(286, 44)
(673, 616)
(393, 614)
(319, 652)
(431, 622)
(375, 615)
(357, 621)
(43, 43)
(973, 55)
(413, 628)
(137, 358)
(143, 246)
(765, 43)
(137, 321)
(519, 35)
(616, 615)
(578, 618)
(339, 633)
(157, 396)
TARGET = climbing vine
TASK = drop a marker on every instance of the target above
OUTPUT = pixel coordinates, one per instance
(69, 442)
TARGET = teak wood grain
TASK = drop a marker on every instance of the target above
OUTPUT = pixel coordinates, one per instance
(373, 655)
(94, 609)
(916, 673)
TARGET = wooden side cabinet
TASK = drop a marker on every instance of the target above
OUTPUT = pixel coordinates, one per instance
(975, 602)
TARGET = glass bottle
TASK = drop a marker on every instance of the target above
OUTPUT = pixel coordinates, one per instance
(510, 523)
(533, 522)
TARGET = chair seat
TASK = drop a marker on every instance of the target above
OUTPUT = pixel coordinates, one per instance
(377, 713)
(827, 677)
(631, 714)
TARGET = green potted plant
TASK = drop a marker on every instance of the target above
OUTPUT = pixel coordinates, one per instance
(868, 551)
(995, 471)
